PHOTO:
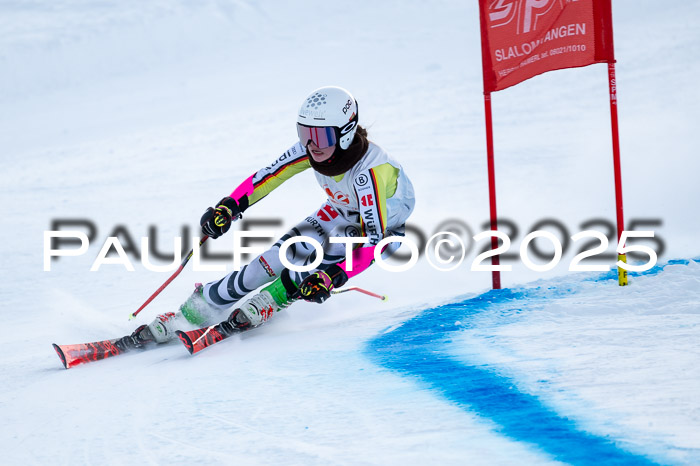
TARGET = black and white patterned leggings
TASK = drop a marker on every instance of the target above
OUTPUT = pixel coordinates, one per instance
(267, 267)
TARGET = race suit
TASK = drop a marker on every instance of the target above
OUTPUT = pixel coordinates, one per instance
(372, 199)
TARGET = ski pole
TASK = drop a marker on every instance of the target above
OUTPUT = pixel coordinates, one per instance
(383, 297)
(172, 277)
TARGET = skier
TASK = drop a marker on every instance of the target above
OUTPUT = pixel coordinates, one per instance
(369, 194)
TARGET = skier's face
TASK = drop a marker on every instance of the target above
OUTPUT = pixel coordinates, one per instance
(320, 155)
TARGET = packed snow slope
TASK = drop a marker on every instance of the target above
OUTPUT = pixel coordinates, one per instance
(136, 116)
(589, 374)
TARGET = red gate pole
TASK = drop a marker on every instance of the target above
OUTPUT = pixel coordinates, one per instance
(495, 275)
(621, 273)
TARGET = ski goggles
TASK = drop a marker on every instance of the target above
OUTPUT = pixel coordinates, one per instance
(322, 136)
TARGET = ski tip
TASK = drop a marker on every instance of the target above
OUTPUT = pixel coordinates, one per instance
(61, 356)
(185, 339)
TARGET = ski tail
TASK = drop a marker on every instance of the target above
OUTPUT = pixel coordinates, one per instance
(196, 340)
(73, 355)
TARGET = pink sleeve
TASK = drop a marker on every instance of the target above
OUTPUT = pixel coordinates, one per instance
(362, 258)
(244, 189)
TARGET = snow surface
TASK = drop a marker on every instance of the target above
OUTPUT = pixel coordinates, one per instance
(137, 113)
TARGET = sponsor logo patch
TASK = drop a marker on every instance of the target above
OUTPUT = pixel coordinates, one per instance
(267, 267)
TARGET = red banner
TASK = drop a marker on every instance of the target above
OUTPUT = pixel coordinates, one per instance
(523, 38)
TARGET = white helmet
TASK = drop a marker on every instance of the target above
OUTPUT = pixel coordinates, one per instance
(327, 116)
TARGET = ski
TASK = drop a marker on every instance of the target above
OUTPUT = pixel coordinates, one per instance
(196, 340)
(82, 353)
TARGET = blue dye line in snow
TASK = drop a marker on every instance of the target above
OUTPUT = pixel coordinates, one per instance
(612, 275)
(417, 349)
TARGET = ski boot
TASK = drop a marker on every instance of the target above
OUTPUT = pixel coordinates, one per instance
(261, 307)
(163, 327)
(236, 322)
(195, 310)
(138, 339)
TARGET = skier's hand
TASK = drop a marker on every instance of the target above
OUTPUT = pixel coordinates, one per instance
(216, 221)
(317, 287)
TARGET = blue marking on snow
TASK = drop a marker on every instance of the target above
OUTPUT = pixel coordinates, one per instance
(612, 275)
(418, 349)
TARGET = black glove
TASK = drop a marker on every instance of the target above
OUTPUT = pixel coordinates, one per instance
(317, 287)
(216, 221)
